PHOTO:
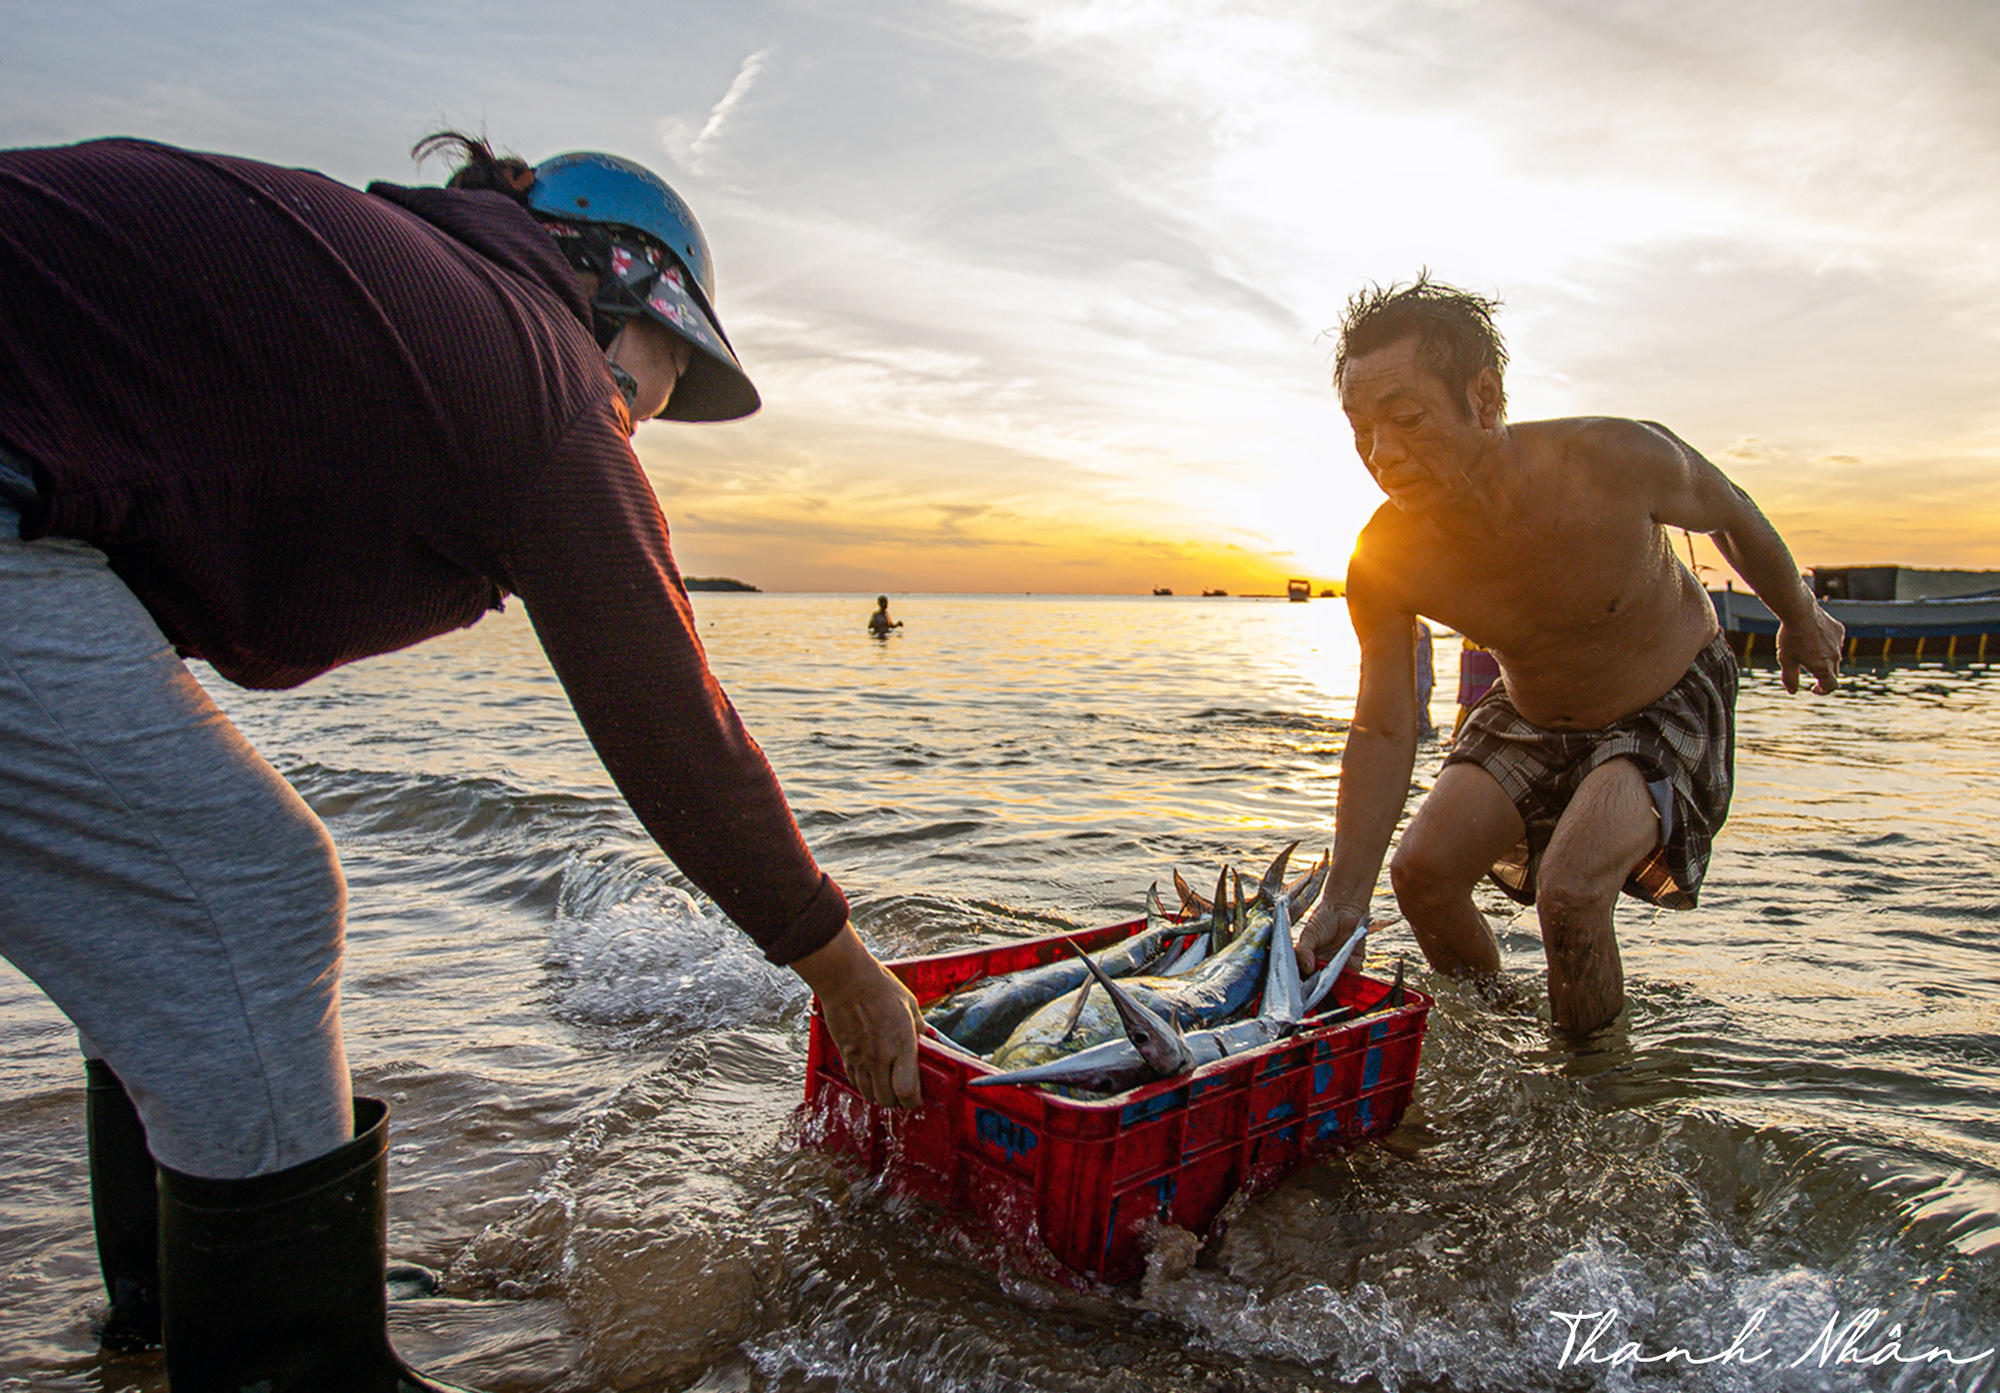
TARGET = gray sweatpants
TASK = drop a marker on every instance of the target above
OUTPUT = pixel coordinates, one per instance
(158, 879)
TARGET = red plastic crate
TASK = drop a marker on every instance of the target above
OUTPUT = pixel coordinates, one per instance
(1083, 1178)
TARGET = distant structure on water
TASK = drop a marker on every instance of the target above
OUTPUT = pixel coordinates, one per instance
(1891, 613)
(1899, 583)
(718, 583)
(1211, 594)
(1162, 590)
(1298, 591)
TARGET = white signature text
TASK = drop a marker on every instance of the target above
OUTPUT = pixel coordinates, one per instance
(1853, 1342)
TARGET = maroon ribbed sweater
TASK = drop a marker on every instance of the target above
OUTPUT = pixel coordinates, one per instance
(310, 424)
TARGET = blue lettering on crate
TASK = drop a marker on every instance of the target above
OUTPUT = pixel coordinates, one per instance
(1149, 1108)
(1003, 1133)
(1281, 1110)
(1379, 1033)
(1371, 1068)
(1322, 1078)
(1364, 1113)
(1329, 1125)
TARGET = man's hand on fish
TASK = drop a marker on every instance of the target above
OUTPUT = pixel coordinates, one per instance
(872, 1017)
(1327, 926)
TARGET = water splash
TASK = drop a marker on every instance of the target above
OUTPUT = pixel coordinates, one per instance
(648, 958)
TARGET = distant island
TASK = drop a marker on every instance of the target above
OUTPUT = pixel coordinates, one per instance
(718, 583)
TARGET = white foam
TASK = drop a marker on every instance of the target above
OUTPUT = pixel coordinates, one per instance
(666, 961)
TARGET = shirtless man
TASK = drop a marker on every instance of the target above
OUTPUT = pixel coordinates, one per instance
(1601, 760)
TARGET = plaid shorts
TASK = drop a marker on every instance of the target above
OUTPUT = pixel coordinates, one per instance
(1684, 745)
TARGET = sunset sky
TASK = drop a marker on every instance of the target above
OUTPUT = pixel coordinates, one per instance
(1035, 292)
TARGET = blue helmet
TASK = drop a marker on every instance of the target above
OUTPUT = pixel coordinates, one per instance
(621, 222)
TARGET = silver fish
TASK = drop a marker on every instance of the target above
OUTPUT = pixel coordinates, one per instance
(1189, 958)
(981, 1016)
(1158, 1042)
(1220, 987)
(1283, 1000)
(1322, 981)
(1119, 1064)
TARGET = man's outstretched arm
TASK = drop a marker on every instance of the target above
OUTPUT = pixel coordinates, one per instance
(1694, 494)
(1374, 771)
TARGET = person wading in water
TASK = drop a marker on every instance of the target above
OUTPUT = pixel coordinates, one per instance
(1602, 758)
(879, 623)
(253, 416)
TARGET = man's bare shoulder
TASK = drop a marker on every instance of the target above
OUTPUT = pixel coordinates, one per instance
(1617, 444)
(1384, 559)
(1387, 539)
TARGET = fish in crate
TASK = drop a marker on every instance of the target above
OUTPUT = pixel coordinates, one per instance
(1077, 1086)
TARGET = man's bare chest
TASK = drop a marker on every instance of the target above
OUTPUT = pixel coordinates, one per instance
(1566, 578)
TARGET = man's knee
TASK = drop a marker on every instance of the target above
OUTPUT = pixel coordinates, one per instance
(1465, 824)
(1426, 880)
(1565, 895)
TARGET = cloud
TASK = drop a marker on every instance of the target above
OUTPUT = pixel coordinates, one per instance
(1053, 272)
(691, 152)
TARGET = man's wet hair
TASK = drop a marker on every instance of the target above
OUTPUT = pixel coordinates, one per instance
(1453, 329)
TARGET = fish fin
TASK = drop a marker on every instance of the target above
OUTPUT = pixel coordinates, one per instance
(1273, 883)
(1306, 889)
(1076, 1011)
(1191, 903)
(1218, 912)
(1397, 995)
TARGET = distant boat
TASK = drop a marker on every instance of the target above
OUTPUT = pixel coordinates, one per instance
(1900, 583)
(1161, 590)
(1905, 615)
(1211, 594)
(1298, 591)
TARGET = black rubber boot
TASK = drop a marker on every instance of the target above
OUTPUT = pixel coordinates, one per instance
(274, 1284)
(125, 1207)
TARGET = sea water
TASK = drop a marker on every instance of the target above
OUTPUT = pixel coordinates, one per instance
(1781, 1169)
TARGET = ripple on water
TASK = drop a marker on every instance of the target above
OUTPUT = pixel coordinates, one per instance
(594, 1074)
